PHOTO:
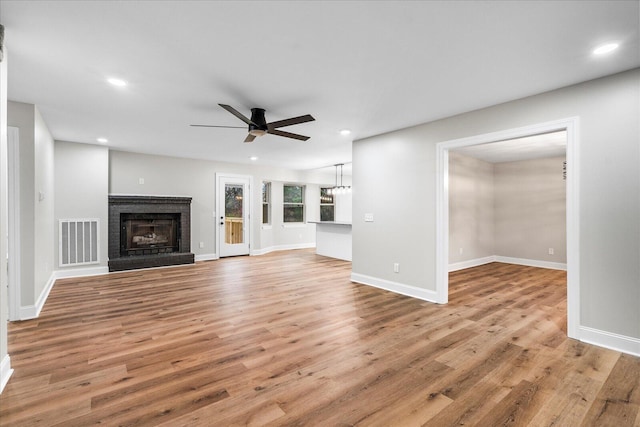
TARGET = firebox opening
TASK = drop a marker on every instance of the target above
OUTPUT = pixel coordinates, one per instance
(149, 234)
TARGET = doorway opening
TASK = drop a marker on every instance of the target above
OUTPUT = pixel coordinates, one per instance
(570, 126)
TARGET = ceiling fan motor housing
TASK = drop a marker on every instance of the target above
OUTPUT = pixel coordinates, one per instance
(258, 127)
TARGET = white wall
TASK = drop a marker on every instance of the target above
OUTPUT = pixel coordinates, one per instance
(609, 154)
(196, 178)
(44, 207)
(36, 206)
(344, 206)
(81, 188)
(281, 235)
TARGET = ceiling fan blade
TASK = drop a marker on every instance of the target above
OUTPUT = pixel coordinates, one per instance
(237, 114)
(249, 138)
(291, 121)
(214, 126)
(287, 134)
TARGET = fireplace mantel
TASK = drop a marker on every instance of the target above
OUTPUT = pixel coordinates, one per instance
(123, 206)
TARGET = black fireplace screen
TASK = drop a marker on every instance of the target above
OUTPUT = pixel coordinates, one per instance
(149, 234)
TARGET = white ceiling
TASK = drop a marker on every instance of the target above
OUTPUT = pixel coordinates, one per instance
(552, 144)
(372, 67)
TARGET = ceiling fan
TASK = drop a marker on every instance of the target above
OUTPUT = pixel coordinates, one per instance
(258, 125)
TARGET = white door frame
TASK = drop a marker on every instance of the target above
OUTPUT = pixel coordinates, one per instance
(220, 208)
(13, 232)
(571, 126)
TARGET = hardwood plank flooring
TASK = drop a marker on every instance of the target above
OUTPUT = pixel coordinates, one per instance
(287, 339)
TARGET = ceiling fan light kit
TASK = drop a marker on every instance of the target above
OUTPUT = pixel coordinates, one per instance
(258, 126)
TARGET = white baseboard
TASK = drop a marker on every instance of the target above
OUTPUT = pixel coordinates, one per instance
(80, 272)
(27, 312)
(269, 249)
(471, 263)
(507, 260)
(532, 262)
(610, 340)
(206, 257)
(398, 288)
(5, 371)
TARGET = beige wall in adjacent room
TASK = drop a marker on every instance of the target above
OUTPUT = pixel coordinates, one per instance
(471, 208)
(510, 209)
(530, 210)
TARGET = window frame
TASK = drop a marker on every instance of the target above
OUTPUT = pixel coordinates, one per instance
(286, 204)
(266, 201)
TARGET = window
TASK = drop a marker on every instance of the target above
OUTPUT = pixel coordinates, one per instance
(293, 203)
(266, 203)
(327, 205)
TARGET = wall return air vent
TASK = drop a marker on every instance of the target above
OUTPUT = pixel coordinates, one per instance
(79, 241)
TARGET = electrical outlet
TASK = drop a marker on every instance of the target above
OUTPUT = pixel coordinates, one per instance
(461, 251)
(396, 267)
(201, 245)
(368, 217)
(550, 251)
(141, 181)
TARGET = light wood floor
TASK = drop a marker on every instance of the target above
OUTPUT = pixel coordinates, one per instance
(287, 339)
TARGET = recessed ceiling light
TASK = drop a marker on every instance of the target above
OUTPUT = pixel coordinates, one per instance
(605, 48)
(117, 82)
(254, 158)
(345, 132)
(102, 140)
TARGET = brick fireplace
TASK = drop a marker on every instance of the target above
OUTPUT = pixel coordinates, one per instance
(149, 231)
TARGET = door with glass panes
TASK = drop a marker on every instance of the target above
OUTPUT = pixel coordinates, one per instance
(232, 215)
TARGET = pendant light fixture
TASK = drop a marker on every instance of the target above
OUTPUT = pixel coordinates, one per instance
(339, 189)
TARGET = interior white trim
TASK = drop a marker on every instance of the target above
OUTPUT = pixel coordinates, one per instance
(81, 272)
(571, 125)
(206, 257)
(5, 371)
(507, 260)
(398, 288)
(268, 249)
(471, 263)
(13, 234)
(610, 340)
(442, 223)
(531, 262)
(33, 311)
